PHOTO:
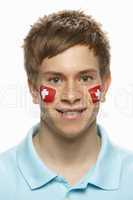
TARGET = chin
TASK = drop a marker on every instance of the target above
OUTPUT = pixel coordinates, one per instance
(71, 134)
(74, 132)
(69, 129)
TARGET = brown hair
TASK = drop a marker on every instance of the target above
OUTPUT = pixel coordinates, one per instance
(55, 33)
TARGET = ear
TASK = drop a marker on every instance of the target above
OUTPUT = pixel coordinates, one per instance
(106, 81)
(33, 91)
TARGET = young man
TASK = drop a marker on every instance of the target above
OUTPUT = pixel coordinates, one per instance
(67, 155)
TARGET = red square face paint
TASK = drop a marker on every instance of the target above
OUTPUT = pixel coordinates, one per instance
(47, 93)
(95, 93)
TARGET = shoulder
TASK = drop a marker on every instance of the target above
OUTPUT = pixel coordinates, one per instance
(126, 177)
(126, 156)
(8, 173)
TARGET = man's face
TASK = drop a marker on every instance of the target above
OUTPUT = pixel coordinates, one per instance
(71, 74)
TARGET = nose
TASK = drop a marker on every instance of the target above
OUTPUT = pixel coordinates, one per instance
(71, 93)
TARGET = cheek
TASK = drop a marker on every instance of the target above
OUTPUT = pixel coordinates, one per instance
(47, 94)
(95, 93)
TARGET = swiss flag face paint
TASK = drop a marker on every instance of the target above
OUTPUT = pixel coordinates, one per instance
(47, 93)
(95, 93)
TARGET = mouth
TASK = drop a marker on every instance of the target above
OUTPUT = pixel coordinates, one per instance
(71, 114)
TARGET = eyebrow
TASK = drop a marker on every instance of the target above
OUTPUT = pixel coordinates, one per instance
(59, 73)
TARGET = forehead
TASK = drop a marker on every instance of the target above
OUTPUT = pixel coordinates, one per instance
(73, 60)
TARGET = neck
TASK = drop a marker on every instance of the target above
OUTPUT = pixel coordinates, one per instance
(67, 153)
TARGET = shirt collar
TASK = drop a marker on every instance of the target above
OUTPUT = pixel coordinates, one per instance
(30, 165)
(105, 173)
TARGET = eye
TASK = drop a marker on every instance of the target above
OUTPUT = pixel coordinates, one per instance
(54, 80)
(86, 78)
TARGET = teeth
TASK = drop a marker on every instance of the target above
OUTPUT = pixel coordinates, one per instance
(71, 113)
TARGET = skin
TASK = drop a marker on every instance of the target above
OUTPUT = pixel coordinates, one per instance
(69, 147)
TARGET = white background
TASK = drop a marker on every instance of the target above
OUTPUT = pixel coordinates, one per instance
(17, 113)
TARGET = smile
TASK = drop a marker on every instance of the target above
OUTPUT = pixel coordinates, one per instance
(71, 114)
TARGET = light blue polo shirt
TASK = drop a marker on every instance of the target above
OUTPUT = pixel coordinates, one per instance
(23, 176)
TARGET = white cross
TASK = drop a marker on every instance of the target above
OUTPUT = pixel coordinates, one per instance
(44, 93)
(98, 94)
